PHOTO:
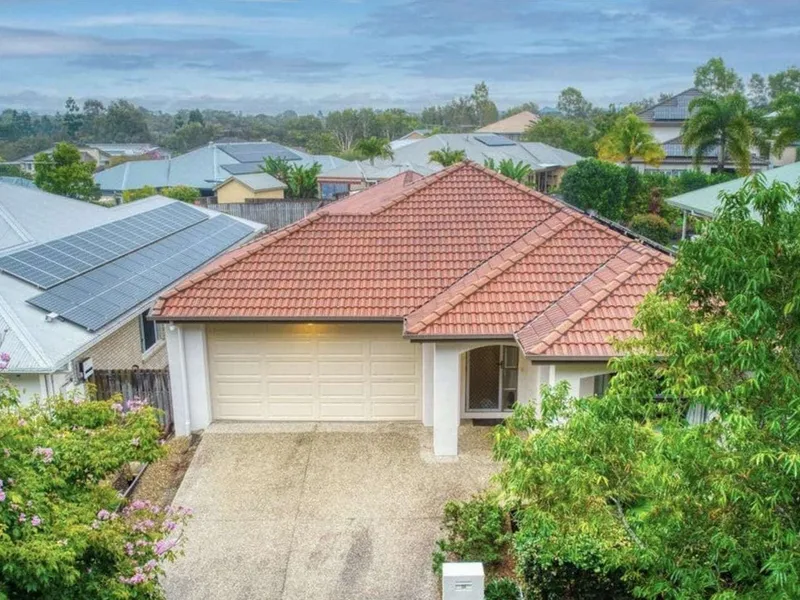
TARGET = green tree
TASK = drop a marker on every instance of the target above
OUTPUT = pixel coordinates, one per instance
(301, 181)
(64, 531)
(63, 172)
(73, 120)
(191, 136)
(573, 105)
(374, 147)
(195, 116)
(568, 134)
(715, 79)
(184, 193)
(525, 106)
(597, 185)
(519, 171)
(698, 507)
(485, 109)
(784, 82)
(446, 156)
(757, 92)
(785, 125)
(345, 126)
(630, 138)
(724, 124)
(138, 194)
(122, 122)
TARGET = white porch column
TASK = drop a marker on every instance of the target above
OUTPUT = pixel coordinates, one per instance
(446, 400)
(188, 367)
(427, 383)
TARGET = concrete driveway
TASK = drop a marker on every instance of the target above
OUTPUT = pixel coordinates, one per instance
(319, 511)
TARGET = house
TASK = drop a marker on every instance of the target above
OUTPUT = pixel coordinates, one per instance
(511, 127)
(252, 187)
(76, 280)
(435, 299)
(548, 164)
(100, 154)
(206, 167)
(665, 120)
(705, 201)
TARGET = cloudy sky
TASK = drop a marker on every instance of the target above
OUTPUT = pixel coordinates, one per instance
(309, 55)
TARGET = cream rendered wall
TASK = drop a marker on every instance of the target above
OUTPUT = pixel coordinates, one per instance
(235, 192)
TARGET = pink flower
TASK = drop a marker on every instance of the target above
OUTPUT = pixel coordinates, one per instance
(22, 517)
(150, 564)
(2, 496)
(104, 515)
(117, 407)
(45, 453)
(162, 546)
(22, 422)
(36, 521)
(128, 548)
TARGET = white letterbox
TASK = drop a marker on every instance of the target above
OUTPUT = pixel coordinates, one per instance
(462, 581)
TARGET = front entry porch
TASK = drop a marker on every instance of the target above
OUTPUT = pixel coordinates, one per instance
(485, 380)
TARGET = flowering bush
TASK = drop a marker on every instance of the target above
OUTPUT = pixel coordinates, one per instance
(65, 532)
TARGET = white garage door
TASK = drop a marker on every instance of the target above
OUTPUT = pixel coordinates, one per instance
(317, 372)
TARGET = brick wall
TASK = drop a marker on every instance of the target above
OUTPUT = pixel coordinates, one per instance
(123, 349)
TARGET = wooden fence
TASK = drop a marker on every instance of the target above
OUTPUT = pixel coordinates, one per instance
(272, 213)
(145, 384)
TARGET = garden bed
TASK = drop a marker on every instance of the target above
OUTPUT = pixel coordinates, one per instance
(158, 482)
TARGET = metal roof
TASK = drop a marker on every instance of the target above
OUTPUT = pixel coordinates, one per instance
(29, 217)
(205, 167)
(257, 181)
(706, 200)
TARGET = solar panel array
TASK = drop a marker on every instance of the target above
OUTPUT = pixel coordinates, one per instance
(257, 151)
(671, 113)
(49, 264)
(95, 299)
(243, 168)
(494, 140)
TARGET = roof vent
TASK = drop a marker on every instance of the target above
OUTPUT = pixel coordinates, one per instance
(51, 316)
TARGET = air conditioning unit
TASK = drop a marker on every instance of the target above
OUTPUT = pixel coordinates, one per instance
(462, 581)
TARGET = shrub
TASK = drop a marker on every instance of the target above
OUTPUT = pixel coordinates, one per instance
(597, 185)
(475, 531)
(138, 194)
(502, 589)
(184, 193)
(64, 531)
(654, 227)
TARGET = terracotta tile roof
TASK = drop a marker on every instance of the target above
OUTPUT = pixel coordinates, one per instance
(464, 253)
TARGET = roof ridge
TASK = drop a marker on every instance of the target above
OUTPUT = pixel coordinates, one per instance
(494, 266)
(665, 100)
(235, 256)
(589, 304)
(422, 184)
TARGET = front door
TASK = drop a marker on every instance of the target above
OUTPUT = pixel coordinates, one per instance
(492, 378)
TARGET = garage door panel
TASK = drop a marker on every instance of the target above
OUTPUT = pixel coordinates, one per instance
(289, 368)
(344, 368)
(273, 371)
(288, 411)
(234, 368)
(387, 368)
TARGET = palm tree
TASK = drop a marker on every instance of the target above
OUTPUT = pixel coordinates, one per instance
(630, 138)
(785, 125)
(518, 172)
(374, 147)
(724, 123)
(446, 156)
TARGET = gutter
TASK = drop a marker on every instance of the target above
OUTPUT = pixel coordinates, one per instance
(309, 319)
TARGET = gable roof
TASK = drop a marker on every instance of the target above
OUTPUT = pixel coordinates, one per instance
(257, 182)
(204, 167)
(517, 123)
(462, 253)
(29, 217)
(674, 109)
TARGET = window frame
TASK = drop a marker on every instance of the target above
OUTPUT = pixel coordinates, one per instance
(144, 324)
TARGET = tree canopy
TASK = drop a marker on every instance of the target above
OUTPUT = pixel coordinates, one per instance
(374, 147)
(682, 480)
(630, 138)
(446, 156)
(63, 172)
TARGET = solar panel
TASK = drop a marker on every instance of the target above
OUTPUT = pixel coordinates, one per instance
(491, 139)
(243, 168)
(95, 299)
(51, 263)
(257, 151)
(670, 113)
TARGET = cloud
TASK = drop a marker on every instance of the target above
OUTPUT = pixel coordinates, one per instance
(125, 54)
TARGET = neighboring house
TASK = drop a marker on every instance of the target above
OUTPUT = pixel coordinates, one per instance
(666, 119)
(254, 187)
(206, 167)
(548, 164)
(21, 181)
(439, 299)
(100, 154)
(511, 127)
(76, 280)
(705, 201)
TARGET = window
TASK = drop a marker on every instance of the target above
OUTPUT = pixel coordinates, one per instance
(601, 383)
(148, 332)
